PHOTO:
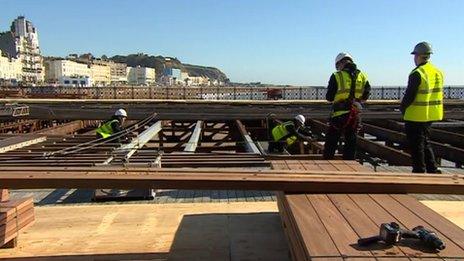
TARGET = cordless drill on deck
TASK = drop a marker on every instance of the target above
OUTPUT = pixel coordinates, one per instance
(391, 233)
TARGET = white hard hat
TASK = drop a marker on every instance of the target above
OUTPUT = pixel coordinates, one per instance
(300, 118)
(342, 56)
(121, 112)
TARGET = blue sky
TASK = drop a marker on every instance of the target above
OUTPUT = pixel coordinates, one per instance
(283, 42)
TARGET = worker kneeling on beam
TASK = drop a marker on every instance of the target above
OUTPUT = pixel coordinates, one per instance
(422, 104)
(286, 134)
(348, 89)
(113, 125)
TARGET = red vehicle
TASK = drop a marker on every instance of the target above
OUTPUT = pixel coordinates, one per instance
(274, 94)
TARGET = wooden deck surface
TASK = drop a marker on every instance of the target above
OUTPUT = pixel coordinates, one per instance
(327, 226)
(153, 231)
(193, 231)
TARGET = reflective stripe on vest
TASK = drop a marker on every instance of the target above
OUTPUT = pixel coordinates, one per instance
(344, 86)
(106, 130)
(428, 104)
(280, 131)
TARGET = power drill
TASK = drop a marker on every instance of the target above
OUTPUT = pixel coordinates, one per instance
(390, 233)
(427, 237)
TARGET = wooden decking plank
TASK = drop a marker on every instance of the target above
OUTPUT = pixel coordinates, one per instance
(13, 214)
(361, 224)
(411, 220)
(397, 259)
(294, 165)
(313, 233)
(433, 219)
(336, 225)
(311, 165)
(379, 215)
(296, 246)
(279, 164)
(357, 166)
(341, 166)
(327, 167)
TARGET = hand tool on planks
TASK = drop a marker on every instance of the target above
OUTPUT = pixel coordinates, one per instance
(391, 233)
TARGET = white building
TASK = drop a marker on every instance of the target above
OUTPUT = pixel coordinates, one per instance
(141, 75)
(75, 81)
(22, 43)
(100, 73)
(118, 73)
(57, 70)
(10, 69)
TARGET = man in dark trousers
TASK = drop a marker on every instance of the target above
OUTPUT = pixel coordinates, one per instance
(286, 134)
(422, 104)
(347, 89)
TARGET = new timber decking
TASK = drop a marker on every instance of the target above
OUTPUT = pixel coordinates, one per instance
(327, 226)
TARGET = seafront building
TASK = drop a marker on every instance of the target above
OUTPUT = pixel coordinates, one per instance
(141, 75)
(22, 43)
(10, 69)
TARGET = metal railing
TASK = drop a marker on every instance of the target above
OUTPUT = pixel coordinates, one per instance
(201, 92)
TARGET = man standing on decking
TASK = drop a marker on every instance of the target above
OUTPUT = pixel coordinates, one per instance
(422, 104)
(348, 89)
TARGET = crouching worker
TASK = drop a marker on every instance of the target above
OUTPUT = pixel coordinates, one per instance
(113, 125)
(286, 134)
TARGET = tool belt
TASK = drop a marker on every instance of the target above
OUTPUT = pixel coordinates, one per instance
(342, 106)
(352, 121)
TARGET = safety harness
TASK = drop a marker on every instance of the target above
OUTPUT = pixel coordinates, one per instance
(354, 107)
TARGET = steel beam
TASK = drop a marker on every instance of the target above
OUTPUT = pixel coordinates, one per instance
(194, 139)
(207, 110)
(249, 144)
(17, 142)
(139, 141)
(66, 128)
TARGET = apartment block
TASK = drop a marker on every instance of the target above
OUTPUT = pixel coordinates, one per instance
(22, 43)
(141, 75)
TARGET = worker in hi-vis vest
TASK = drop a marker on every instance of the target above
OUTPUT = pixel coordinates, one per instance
(348, 88)
(112, 125)
(286, 134)
(422, 104)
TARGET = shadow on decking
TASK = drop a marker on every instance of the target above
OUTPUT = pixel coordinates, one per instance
(257, 236)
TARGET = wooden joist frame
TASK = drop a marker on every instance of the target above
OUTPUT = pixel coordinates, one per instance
(284, 180)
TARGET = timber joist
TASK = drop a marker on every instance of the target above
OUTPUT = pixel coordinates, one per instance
(313, 181)
(442, 150)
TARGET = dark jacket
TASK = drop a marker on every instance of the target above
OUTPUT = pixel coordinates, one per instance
(414, 82)
(302, 132)
(116, 125)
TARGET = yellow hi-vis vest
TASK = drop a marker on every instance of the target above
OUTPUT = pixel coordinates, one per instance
(280, 131)
(428, 104)
(344, 86)
(106, 130)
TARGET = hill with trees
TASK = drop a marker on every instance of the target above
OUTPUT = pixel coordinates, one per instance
(160, 63)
